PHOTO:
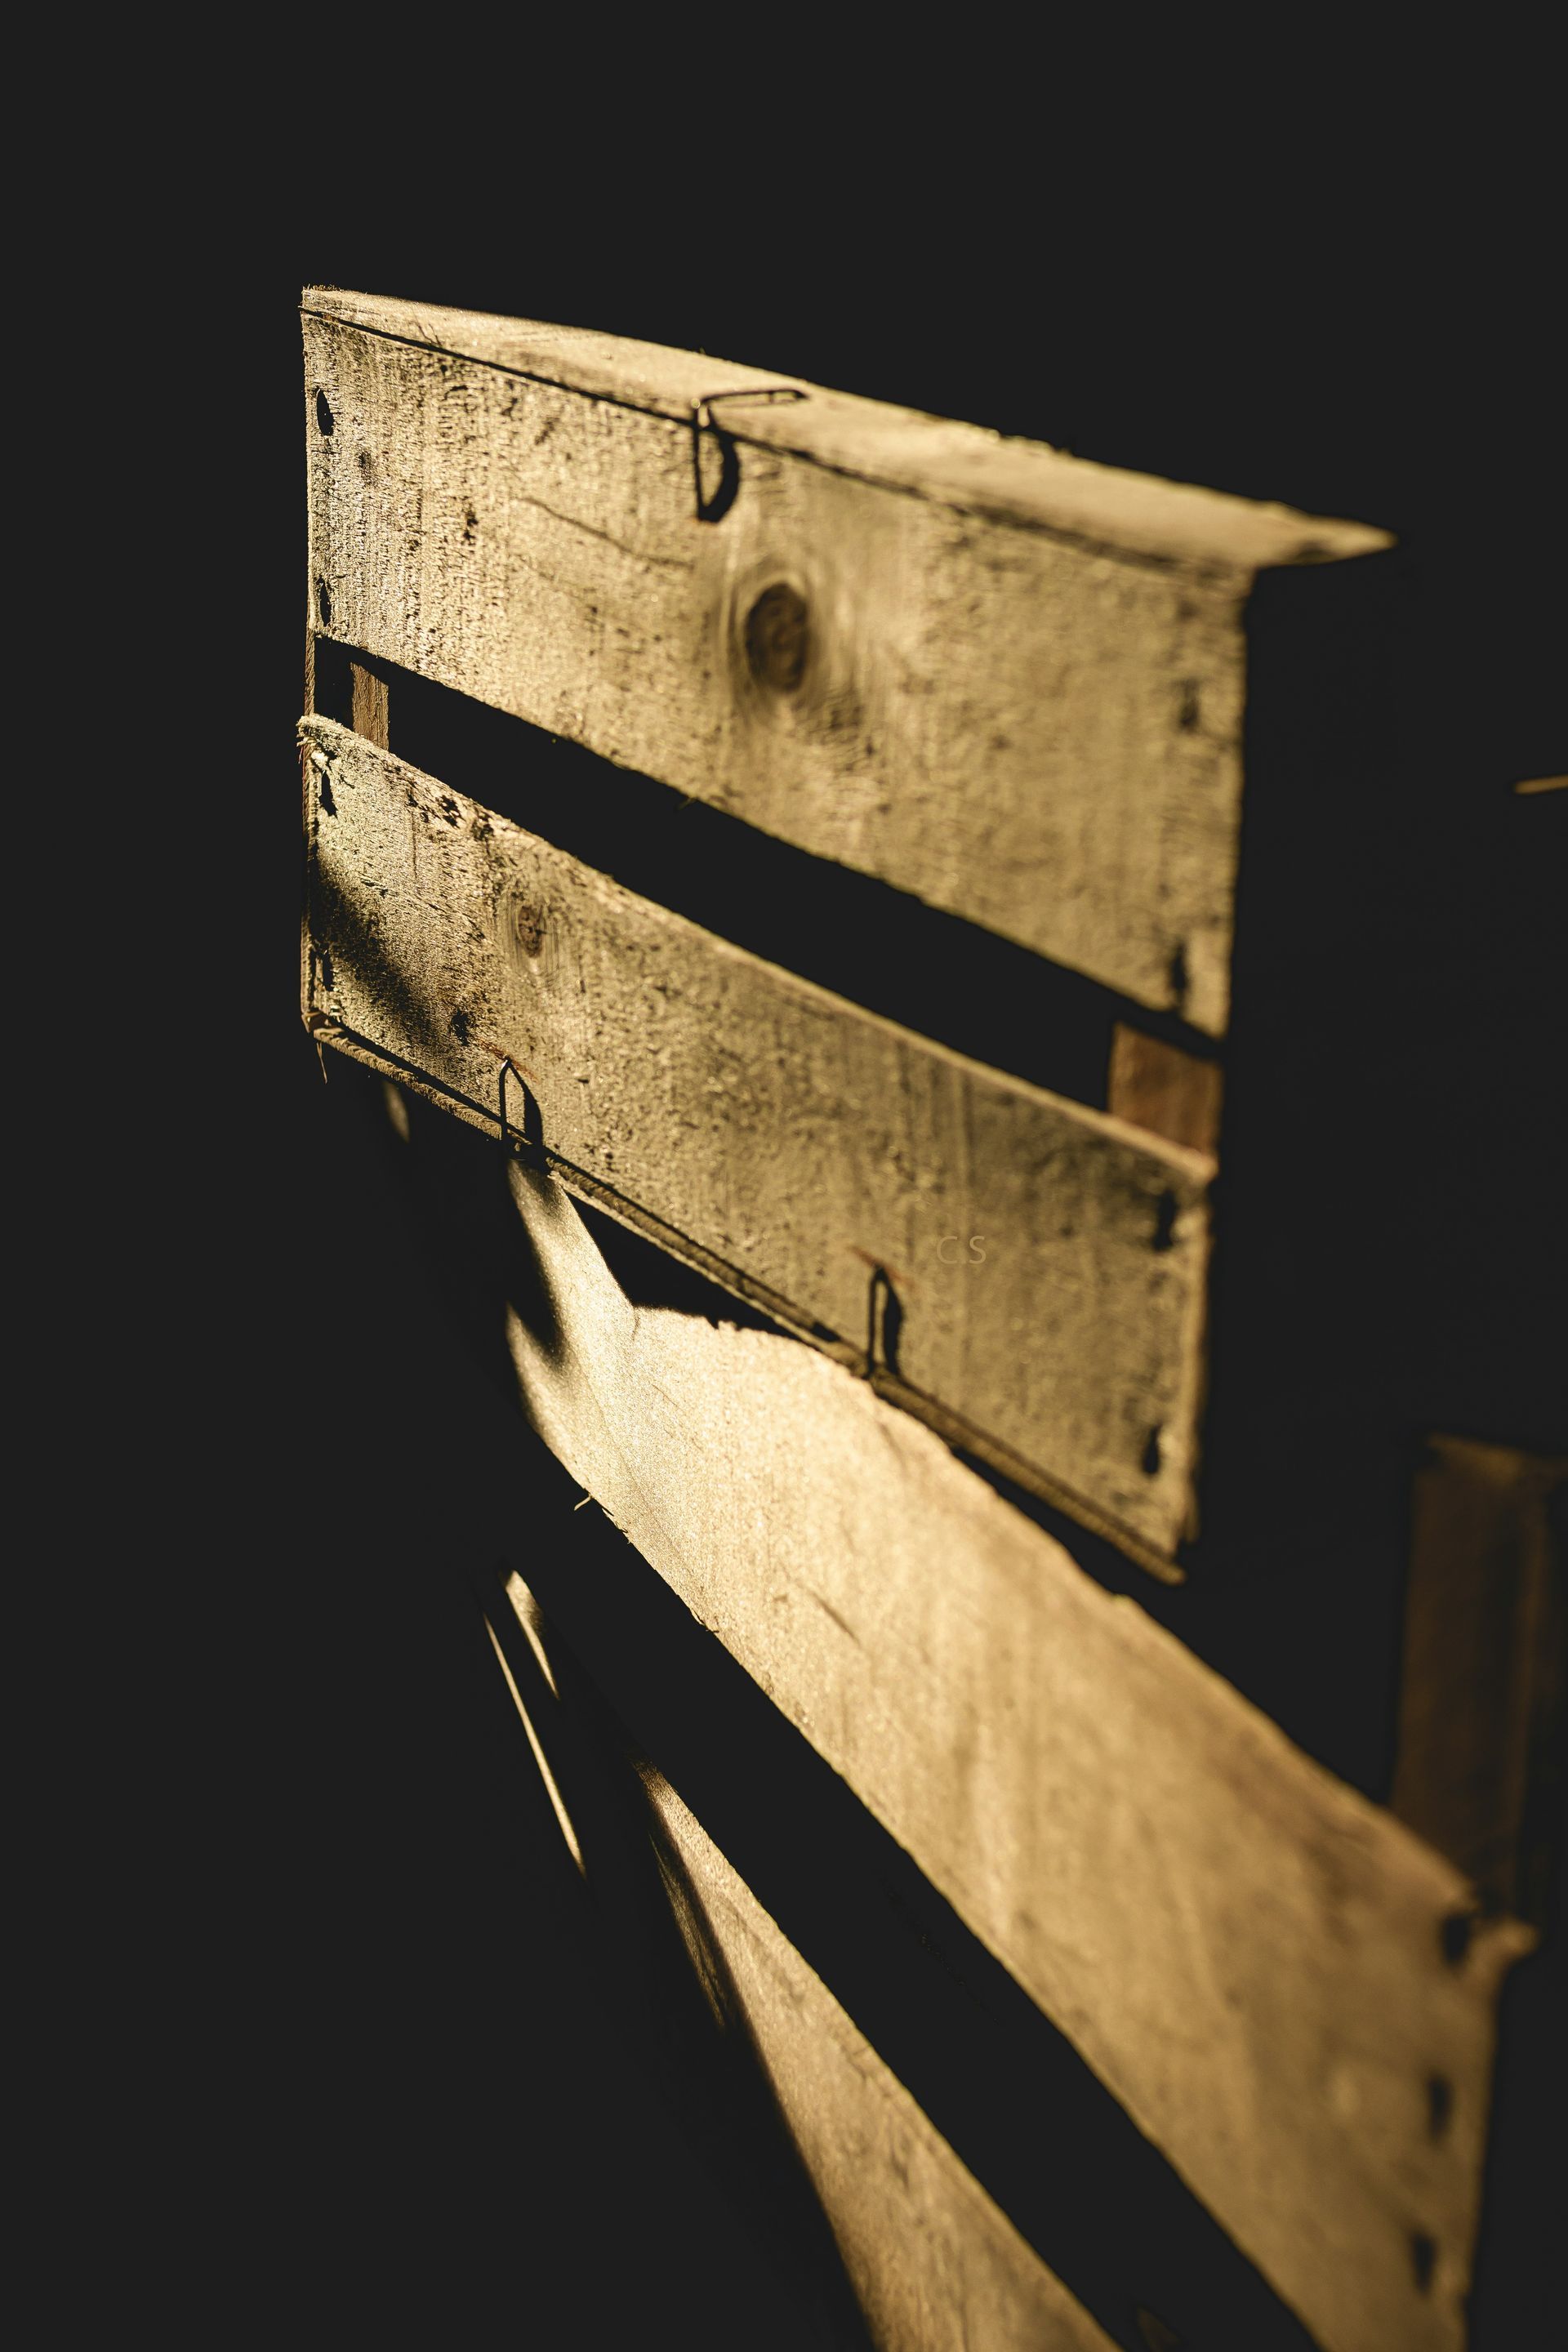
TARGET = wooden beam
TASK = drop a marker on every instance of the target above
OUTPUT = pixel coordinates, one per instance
(1042, 1265)
(1006, 681)
(1479, 1767)
(1292, 1996)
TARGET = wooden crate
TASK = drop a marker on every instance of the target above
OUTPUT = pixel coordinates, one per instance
(808, 832)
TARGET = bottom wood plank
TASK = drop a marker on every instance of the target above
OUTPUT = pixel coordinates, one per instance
(931, 2261)
(935, 2266)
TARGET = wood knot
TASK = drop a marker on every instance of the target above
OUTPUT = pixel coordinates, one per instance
(777, 637)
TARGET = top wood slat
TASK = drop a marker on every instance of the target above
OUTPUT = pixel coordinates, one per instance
(933, 458)
(1018, 692)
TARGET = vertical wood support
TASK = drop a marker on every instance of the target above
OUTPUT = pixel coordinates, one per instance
(368, 703)
(1479, 1771)
(1160, 1087)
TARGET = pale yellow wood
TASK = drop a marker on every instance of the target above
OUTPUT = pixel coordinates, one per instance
(1049, 1260)
(1004, 680)
(1269, 1972)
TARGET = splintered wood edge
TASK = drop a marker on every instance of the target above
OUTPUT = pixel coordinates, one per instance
(1116, 513)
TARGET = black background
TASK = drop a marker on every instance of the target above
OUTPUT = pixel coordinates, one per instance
(401, 2110)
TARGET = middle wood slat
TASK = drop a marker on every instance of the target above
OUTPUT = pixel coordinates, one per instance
(1047, 1261)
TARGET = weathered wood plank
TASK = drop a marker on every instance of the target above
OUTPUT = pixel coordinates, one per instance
(1046, 1262)
(1004, 680)
(935, 2266)
(1290, 1993)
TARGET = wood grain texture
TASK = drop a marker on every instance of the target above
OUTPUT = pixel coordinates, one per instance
(1006, 681)
(1048, 1262)
(936, 2266)
(1270, 1973)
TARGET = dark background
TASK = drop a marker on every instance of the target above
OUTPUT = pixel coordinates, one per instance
(410, 2111)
